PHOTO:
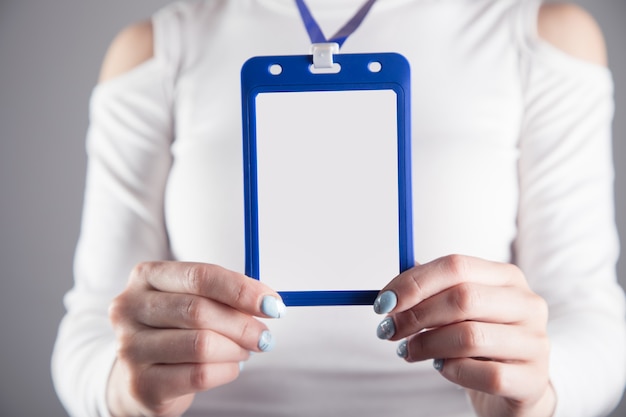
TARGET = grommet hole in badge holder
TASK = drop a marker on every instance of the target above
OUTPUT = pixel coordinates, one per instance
(275, 69)
(374, 66)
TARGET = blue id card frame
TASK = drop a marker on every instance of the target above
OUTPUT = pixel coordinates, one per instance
(327, 176)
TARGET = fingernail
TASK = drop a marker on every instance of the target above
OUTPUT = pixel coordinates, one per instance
(266, 342)
(402, 350)
(241, 365)
(385, 302)
(273, 307)
(386, 329)
(438, 364)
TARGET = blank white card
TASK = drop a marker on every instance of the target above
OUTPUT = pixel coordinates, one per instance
(327, 176)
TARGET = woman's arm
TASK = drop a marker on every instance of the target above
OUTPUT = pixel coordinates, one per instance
(523, 340)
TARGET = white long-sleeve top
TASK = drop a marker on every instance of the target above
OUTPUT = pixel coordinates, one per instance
(511, 154)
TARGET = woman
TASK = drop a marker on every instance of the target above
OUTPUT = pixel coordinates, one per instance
(512, 107)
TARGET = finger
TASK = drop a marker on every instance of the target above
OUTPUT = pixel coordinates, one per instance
(423, 281)
(469, 302)
(515, 381)
(156, 385)
(214, 282)
(470, 339)
(186, 311)
(181, 346)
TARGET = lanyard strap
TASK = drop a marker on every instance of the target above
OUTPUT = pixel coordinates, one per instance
(315, 32)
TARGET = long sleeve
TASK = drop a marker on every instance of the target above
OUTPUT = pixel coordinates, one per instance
(567, 243)
(128, 147)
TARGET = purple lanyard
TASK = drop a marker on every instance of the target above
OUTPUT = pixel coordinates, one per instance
(315, 32)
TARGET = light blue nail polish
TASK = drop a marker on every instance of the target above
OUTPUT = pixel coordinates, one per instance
(242, 364)
(273, 307)
(438, 364)
(386, 329)
(266, 341)
(385, 302)
(402, 350)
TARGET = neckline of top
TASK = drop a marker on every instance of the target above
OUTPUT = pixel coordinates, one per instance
(330, 7)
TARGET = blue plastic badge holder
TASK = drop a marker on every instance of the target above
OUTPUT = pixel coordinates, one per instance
(327, 174)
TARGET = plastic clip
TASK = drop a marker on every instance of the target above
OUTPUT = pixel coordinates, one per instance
(323, 54)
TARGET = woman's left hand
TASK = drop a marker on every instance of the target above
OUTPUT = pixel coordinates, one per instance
(483, 326)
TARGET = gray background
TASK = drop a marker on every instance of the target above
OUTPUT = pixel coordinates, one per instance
(50, 54)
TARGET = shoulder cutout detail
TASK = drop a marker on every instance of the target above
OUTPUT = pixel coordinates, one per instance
(130, 48)
(573, 30)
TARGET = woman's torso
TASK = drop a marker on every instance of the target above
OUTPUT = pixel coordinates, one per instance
(466, 120)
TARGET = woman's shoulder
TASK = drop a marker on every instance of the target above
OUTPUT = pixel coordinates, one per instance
(164, 33)
(573, 30)
(131, 47)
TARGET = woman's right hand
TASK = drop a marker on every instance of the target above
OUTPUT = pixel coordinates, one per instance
(183, 328)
